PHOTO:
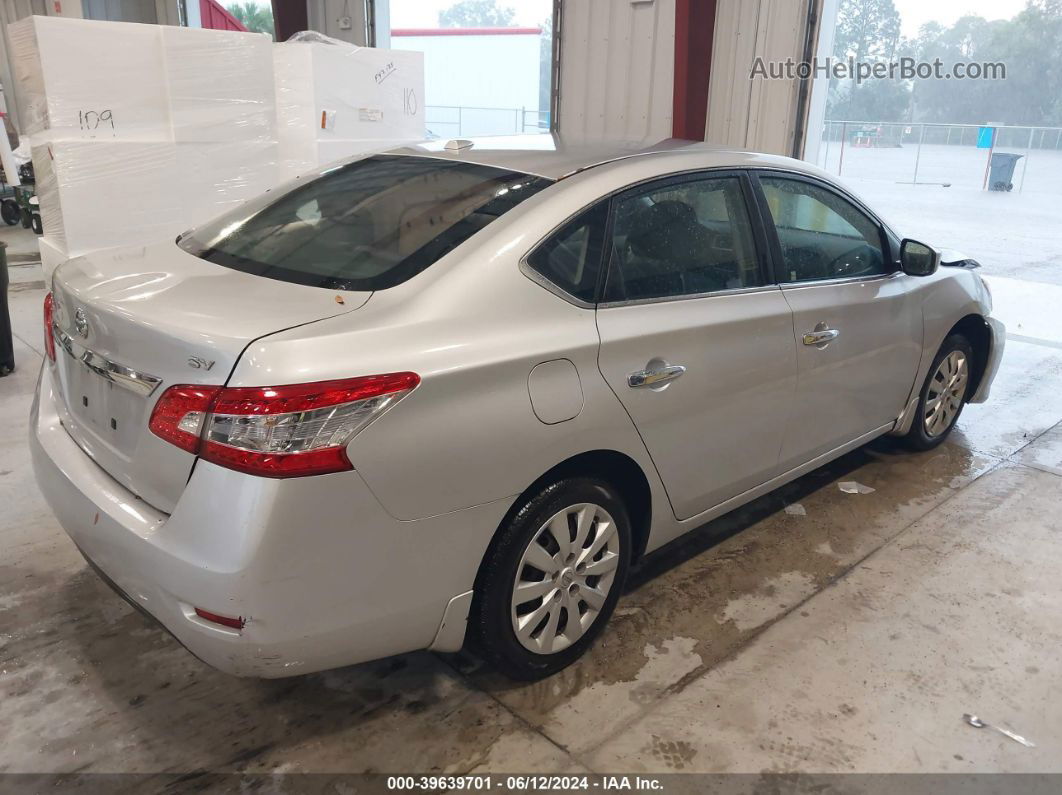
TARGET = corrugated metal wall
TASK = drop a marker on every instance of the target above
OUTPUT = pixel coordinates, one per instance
(214, 16)
(755, 114)
(617, 68)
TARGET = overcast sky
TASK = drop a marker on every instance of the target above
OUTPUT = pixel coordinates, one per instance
(915, 13)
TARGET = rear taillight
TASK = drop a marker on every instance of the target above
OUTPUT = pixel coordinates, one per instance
(279, 432)
(49, 326)
(178, 416)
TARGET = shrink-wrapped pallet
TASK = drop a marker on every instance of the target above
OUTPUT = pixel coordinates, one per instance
(100, 194)
(336, 100)
(220, 85)
(140, 131)
(216, 177)
(89, 80)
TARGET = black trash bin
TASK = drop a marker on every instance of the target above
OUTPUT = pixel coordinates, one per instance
(7, 342)
(1001, 171)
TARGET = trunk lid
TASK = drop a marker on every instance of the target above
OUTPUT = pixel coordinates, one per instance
(132, 322)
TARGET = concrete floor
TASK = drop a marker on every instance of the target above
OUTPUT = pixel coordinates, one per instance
(850, 638)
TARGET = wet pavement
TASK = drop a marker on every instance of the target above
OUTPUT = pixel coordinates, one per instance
(851, 636)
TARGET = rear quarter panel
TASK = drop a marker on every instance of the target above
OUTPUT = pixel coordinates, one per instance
(473, 326)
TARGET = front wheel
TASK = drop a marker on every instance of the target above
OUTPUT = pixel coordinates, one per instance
(551, 579)
(944, 393)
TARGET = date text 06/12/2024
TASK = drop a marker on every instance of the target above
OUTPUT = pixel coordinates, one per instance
(522, 783)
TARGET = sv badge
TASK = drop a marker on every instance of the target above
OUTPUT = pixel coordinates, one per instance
(199, 363)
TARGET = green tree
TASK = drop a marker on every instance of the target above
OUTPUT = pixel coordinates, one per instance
(868, 31)
(477, 14)
(256, 17)
(1027, 45)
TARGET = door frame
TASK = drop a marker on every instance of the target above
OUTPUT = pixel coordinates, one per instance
(753, 210)
(890, 243)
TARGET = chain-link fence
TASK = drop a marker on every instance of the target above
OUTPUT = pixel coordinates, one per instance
(451, 121)
(945, 154)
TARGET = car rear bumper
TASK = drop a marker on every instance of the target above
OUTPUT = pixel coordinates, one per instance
(320, 573)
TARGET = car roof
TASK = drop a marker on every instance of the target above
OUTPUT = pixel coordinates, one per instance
(555, 157)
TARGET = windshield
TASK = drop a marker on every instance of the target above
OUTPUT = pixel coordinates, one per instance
(366, 225)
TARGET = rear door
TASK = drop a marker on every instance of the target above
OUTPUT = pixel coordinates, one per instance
(695, 340)
(857, 326)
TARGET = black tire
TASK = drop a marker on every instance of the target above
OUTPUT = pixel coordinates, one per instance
(36, 224)
(491, 630)
(25, 217)
(918, 438)
(10, 212)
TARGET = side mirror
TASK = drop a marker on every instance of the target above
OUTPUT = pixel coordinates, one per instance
(918, 259)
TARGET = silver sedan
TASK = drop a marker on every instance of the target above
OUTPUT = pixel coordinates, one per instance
(453, 392)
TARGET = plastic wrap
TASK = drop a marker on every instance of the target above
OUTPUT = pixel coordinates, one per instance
(216, 177)
(296, 137)
(220, 85)
(88, 80)
(189, 129)
(351, 96)
(95, 194)
(316, 37)
(52, 255)
(330, 151)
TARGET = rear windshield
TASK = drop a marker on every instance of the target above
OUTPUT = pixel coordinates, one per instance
(367, 225)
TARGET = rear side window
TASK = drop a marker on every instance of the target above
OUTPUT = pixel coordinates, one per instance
(367, 225)
(571, 258)
(690, 237)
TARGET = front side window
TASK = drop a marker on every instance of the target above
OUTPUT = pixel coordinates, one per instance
(683, 238)
(367, 225)
(822, 236)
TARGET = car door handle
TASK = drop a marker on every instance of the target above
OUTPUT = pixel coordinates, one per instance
(821, 336)
(659, 375)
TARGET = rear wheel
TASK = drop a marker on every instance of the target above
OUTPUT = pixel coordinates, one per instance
(944, 393)
(551, 578)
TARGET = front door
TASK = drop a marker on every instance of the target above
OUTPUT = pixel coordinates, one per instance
(695, 341)
(857, 326)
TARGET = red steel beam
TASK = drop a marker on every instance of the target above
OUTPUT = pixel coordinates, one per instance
(289, 17)
(694, 32)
